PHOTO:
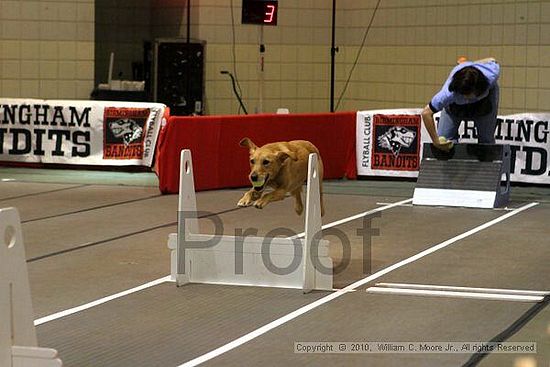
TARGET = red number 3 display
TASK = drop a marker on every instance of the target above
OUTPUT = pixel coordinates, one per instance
(259, 12)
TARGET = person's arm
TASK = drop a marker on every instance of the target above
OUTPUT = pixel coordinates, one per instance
(428, 118)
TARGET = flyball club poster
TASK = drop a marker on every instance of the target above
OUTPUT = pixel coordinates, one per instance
(79, 132)
(389, 142)
(123, 132)
(396, 142)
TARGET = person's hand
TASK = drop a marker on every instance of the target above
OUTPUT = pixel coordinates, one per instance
(443, 144)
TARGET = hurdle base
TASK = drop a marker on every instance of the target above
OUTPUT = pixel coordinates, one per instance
(34, 357)
(217, 264)
(455, 198)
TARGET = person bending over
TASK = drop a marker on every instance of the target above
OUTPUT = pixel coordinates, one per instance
(470, 93)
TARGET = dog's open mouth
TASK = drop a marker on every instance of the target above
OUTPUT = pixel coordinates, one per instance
(260, 184)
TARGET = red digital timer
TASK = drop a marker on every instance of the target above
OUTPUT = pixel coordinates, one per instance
(259, 12)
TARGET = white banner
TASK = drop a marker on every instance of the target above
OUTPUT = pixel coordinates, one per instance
(79, 132)
(389, 143)
(527, 135)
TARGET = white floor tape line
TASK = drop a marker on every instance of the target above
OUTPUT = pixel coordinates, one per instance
(291, 316)
(443, 207)
(463, 289)
(100, 301)
(455, 294)
(358, 216)
(405, 205)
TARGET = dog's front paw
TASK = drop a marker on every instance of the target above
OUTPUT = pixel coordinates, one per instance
(244, 202)
(247, 199)
(260, 203)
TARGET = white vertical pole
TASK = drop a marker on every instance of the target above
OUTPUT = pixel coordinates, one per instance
(18, 346)
(313, 222)
(187, 214)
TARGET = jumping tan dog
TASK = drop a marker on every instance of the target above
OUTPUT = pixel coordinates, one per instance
(281, 166)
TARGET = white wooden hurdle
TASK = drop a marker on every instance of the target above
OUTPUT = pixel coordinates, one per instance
(18, 344)
(195, 263)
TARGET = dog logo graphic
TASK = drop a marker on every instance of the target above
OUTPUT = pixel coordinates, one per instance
(127, 129)
(395, 138)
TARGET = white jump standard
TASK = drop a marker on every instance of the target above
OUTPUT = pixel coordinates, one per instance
(18, 345)
(287, 262)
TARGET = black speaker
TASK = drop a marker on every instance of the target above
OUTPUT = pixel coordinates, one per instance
(179, 76)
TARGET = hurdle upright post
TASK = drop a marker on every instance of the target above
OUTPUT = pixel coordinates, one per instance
(312, 222)
(187, 215)
(18, 343)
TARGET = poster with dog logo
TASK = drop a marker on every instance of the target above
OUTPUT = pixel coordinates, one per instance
(123, 132)
(396, 143)
(389, 142)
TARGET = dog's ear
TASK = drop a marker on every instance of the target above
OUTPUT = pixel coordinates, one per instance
(247, 143)
(283, 155)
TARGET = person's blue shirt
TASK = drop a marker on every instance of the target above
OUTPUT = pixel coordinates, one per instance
(443, 98)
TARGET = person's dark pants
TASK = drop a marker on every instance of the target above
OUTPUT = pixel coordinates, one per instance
(485, 125)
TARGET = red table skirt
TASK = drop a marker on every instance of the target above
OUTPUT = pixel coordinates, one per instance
(218, 160)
